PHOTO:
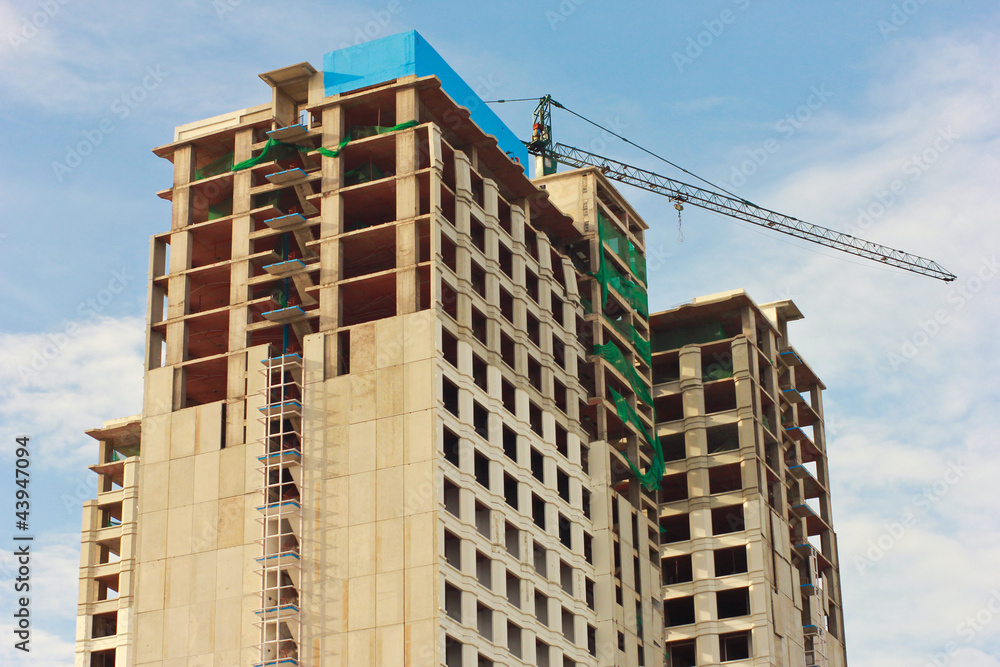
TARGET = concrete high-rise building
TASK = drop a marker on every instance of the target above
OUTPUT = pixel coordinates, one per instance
(401, 407)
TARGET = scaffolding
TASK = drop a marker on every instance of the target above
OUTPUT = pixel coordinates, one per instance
(281, 512)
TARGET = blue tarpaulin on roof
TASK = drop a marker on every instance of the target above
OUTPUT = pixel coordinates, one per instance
(409, 53)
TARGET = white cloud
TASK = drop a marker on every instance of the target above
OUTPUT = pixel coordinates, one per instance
(55, 385)
(55, 568)
(896, 432)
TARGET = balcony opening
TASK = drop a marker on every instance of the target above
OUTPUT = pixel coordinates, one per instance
(104, 658)
(449, 253)
(507, 351)
(566, 577)
(514, 640)
(478, 280)
(734, 646)
(370, 252)
(562, 441)
(562, 484)
(481, 421)
(538, 514)
(484, 571)
(535, 373)
(673, 488)
(449, 300)
(542, 608)
(678, 611)
(565, 532)
(730, 561)
(483, 519)
(453, 550)
(509, 439)
(674, 528)
(484, 621)
(681, 654)
(677, 569)
(452, 498)
(535, 418)
(538, 465)
(559, 351)
(724, 438)
(531, 284)
(506, 258)
(479, 372)
(452, 650)
(451, 445)
(533, 329)
(674, 448)
(514, 590)
(479, 326)
(511, 540)
(569, 626)
(733, 603)
(449, 394)
(728, 520)
(724, 479)
(540, 559)
(105, 625)
(510, 490)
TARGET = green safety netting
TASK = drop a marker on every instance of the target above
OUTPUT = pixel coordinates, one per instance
(220, 209)
(362, 131)
(273, 150)
(623, 247)
(672, 339)
(363, 174)
(638, 342)
(272, 198)
(718, 370)
(641, 345)
(216, 167)
(633, 294)
(613, 354)
(651, 478)
(279, 150)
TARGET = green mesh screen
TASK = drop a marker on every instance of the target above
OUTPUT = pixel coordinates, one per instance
(672, 339)
(613, 354)
(221, 209)
(216, 167)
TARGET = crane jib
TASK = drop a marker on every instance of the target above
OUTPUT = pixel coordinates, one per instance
(742, 209)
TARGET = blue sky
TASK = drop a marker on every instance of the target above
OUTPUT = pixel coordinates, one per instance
(876, 117)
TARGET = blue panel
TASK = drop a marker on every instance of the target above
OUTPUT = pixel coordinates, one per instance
(404, 54)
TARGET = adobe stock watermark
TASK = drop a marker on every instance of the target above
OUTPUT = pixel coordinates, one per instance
(920, 505)
(913, 168)
(90, 308)
(31, 24)
(967, 631)
(563, 11)
(786, 127)
(704, 39)
(121, 108)
(901, 14)
(963, 292)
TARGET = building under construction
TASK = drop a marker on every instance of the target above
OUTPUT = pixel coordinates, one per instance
(404, 405)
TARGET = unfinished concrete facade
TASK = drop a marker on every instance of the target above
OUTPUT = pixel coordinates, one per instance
(750, 569)
(374, 429)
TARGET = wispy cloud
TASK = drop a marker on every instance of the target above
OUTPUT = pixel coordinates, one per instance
(56, 384)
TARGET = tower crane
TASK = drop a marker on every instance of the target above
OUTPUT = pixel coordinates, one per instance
(548, 153)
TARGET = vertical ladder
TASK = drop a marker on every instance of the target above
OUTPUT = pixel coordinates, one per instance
(281, 512)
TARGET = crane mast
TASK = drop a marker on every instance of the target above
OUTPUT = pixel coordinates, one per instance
(548, 153)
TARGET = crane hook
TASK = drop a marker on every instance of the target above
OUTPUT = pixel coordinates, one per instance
(680, 230)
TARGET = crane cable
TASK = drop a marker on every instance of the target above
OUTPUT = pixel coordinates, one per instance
(646, 150)
(627, 141)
